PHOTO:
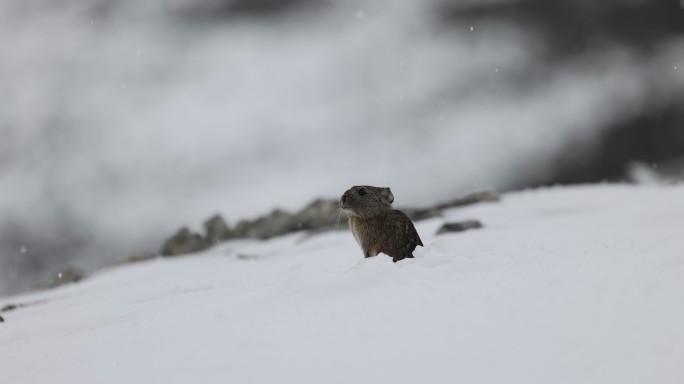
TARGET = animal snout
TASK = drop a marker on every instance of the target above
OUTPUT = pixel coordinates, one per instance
(343, 199)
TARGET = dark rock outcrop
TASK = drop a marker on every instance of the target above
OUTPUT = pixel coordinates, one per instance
(13, 307)
(247, 256)
(203, 10)
(216, 229)
(459, 226)
(278, 222)
(10, 307)
(416, 214)
(320, 215)
(184, 241)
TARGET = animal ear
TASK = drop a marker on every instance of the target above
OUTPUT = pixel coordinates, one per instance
(387, 195)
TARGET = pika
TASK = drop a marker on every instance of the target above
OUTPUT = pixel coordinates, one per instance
(377, 226)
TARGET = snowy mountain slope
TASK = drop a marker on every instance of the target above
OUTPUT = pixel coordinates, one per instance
(565, 285)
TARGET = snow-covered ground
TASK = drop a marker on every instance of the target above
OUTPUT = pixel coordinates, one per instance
(563, 285)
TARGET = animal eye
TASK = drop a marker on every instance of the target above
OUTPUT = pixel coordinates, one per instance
(362, 191)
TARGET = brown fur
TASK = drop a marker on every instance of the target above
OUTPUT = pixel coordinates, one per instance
(377, 227)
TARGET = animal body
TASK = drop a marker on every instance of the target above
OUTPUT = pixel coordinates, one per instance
(377, 227)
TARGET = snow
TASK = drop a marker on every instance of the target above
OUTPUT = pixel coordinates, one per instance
(562, 285)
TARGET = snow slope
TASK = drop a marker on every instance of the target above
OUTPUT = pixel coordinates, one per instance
(563, 285)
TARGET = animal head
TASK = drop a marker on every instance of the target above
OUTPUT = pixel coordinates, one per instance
(366, 201)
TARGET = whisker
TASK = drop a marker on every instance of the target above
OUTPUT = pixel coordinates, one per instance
(331, 219)
(339, 212)
(334, 216)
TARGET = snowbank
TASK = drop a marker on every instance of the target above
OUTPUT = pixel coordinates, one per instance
(565, 285)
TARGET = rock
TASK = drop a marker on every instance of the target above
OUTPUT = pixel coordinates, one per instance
(320, 214)
(277, 223)
(138, 257)
(10, 307)
(459, 226)
(473, 198)
(200, 10)
(246, 256)
(416, 214)
(241, 229)
(184, 242)
(216, 229)
(67, 276)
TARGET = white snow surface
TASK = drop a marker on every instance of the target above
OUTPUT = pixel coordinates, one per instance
(562, 285)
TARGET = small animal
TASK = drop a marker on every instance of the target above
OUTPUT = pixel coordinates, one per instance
(377, 227)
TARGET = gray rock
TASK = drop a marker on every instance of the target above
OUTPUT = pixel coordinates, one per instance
(473, 198)
(67, 276)
(216, 229)
(459, 226)
(277, 223)
(184, 242)
(317, 216)
(417, 214)
(320, 214)
(241, 229)
(247, 256)
(10, 307)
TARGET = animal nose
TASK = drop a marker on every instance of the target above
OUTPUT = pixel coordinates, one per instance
(344, 198)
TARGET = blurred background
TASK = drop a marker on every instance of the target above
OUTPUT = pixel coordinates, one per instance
(120, 121)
